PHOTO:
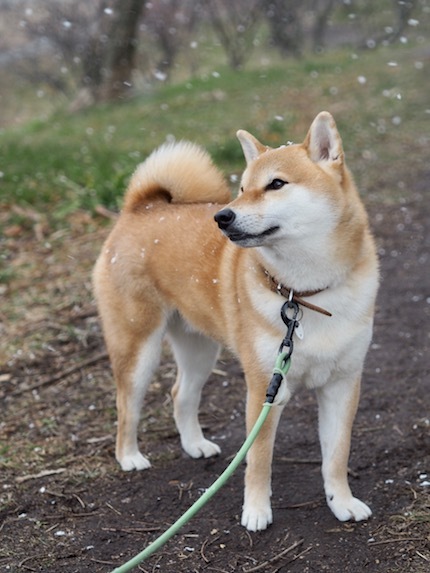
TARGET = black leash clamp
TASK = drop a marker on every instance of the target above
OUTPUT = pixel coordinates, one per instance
(289, 313)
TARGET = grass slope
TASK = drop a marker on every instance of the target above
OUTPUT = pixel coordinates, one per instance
(77, 161)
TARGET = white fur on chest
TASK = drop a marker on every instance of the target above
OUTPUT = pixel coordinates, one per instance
(332, 347)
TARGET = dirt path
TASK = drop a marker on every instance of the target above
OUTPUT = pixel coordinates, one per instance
(88, 516)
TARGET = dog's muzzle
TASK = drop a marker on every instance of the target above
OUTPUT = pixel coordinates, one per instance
(228, 223)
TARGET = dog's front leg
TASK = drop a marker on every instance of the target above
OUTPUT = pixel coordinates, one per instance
(257, 511)
(338, 403)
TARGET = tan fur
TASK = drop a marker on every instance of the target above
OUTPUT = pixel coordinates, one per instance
(166, 269)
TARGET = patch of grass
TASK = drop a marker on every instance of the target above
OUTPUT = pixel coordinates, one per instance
(6, 274)
(4, 452)
(70, 162)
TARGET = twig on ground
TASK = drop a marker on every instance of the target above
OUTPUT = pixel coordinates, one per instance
(131, 529)
(249, 538)
(275, 558)
(422, 556)
(45, 473)
(315, 502)
(113, 509)
(63, 374)
(205, 544)
(398, 540)
(102, 562)
(23, 564)
(301, 554)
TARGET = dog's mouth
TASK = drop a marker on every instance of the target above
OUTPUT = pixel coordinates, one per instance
(227, 222)
(240, 236)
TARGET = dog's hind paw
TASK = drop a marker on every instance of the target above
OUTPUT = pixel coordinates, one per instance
(349, 509)
(134, 462)
(202, 449)
(256, 520)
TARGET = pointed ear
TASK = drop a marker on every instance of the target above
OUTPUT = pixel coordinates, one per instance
(251, 147)
(323, 141)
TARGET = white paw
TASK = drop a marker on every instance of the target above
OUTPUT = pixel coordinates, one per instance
(256, 519)
(134, 462)
(201, 449)
(349, 508)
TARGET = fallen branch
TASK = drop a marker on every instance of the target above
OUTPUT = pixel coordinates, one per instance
(275, 558)
(45, 473)
(315, 502)
(205, 544)
(22, 564)
(398, 540)
(110, 563)
(301, 554)
(62, 374)
(131, 529)
(422, 556)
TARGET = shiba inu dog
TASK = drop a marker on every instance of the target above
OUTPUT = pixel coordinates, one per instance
(186, 262)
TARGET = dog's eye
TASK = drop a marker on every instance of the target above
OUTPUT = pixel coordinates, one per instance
(275, 185)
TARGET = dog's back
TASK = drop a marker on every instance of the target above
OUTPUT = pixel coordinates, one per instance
(162, 244)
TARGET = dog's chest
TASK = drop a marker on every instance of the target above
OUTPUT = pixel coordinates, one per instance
(324, 347)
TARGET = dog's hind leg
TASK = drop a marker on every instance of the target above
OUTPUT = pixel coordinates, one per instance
(195, 355)
(133, 372)
(337, 403)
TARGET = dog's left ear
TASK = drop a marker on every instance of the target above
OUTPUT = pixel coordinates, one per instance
(323, 141)
(251, 147)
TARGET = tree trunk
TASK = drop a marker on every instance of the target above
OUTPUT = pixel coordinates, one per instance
(235, 23)
(121, 49)
(286, 33)
(322, 14)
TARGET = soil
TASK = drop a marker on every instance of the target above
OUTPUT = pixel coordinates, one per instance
(66, 506)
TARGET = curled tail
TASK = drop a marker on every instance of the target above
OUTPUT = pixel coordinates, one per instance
(179, 173)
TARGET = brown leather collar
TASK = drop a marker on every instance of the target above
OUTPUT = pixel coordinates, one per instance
(297, 296)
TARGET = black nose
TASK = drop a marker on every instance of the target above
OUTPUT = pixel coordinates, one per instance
(225, 218)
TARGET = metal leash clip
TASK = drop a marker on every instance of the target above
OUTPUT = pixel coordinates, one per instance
(289, 313)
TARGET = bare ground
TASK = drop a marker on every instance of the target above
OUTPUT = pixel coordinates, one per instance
(66, 506)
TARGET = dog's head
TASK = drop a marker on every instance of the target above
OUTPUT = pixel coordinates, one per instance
(291, 192)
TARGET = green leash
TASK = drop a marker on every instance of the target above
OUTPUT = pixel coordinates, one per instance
(282, 366)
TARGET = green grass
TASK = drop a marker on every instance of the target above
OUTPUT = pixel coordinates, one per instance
(70, 162)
